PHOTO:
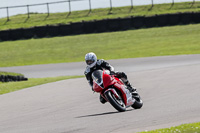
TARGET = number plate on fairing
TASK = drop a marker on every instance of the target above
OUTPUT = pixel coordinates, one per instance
(130, 100)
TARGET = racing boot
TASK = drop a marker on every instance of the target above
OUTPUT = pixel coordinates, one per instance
(102, 100)
(129, 87)
(132, 90)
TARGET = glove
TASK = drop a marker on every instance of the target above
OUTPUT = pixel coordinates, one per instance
(118, 74)
(112, 73)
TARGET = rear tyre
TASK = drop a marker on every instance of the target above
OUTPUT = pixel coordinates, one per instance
(138, 102)
(117, 103)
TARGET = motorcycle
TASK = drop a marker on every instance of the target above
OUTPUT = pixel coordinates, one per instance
(113, 90)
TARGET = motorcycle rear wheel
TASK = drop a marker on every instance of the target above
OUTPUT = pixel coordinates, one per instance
(117, 103)
(138, 102)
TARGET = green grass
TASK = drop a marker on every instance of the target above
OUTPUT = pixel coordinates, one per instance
(175, 40)
(11, 73)
(14, 86)
(36, 19)
(184, 128)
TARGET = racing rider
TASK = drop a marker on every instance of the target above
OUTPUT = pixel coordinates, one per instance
(95, 64)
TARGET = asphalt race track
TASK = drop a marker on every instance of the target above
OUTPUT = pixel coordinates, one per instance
(169, 86)
(126, 65)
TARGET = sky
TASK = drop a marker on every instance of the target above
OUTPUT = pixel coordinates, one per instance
(64, 7)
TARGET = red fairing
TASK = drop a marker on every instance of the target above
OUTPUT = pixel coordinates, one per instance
(107, 80)
(110, 80)
(119, 85)
(96, 87)
(103, 82)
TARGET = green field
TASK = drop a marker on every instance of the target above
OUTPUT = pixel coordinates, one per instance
(184, 128)
(36, 19)
(10, 73)
(175, 40)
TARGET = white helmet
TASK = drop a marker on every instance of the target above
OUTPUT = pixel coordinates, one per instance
(90, 59)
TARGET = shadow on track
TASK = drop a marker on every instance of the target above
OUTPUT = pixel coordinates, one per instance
(107, 113)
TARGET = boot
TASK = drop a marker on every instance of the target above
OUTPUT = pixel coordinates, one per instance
(102, 100)
(129, 87)
(132, 90)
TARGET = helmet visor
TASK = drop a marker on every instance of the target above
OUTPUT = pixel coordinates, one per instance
(89, 62)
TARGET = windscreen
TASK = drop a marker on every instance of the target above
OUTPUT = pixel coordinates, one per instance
(97, 76)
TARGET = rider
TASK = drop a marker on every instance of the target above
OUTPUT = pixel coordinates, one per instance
(95, 64)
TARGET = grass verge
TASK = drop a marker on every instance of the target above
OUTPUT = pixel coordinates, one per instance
(11, 73)
(14, 86)
(175, 40)
(37, 19)
(184, 128)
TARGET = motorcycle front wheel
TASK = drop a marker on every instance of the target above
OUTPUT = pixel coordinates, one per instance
(117, 103)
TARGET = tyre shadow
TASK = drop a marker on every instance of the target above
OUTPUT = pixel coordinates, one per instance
(100, 114)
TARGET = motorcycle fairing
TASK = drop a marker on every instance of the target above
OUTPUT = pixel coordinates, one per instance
(97, 87)
(97, 77)
(102, 80)
(108, 80)
(128, 100)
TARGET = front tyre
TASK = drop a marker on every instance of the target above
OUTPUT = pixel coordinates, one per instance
(117, 103)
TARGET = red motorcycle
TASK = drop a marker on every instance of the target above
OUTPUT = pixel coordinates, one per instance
(113, 90)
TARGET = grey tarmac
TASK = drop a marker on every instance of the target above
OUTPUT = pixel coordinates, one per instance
(126, 65)
(168, 85)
